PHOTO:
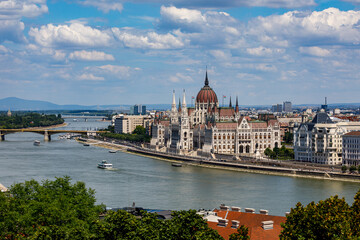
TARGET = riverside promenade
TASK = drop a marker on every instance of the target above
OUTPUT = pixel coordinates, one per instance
(270, 167)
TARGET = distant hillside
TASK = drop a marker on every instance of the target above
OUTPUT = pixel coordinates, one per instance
(18, 104)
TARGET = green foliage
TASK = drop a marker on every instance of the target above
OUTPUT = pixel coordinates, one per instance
(288, 137)
(282, 153)
(352, 168)
(330, 219)
(29, 120)
(138, 135)
(51, 210)
(140, 130)
(184, 225)
(242, 234)
(358, 169)
(344, 168)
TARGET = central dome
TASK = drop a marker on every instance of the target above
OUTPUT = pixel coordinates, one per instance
(206, 94)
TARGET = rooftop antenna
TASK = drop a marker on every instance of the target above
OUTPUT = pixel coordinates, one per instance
(325, 100)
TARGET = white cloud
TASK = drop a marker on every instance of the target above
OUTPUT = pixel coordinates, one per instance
(263, 51)
(148, 40)
(73, 35)
(104, 5)
(90, 77)
(91, 56)
(117, 71)
(15, 9)
(315, 51)
(179, 77)
(248, 77)
(330, 26)
(3, 49)
(11, 30)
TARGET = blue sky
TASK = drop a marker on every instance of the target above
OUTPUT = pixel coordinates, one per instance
(126, 52)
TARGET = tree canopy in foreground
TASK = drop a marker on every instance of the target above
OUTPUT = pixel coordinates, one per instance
(61, 210)
(329, 219)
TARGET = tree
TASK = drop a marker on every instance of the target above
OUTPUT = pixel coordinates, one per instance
(267, 152)
(288, 137)
(344, 168)
(51, 210)
(242, 234)
(352, 168)
(330, 219)
(139, 130)
(358, 169)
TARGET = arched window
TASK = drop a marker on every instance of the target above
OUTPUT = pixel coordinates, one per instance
(247, 149)
(241, 150)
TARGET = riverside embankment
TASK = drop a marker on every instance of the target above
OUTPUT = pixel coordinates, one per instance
(301, 170)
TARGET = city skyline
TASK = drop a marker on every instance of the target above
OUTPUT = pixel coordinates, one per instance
(123, 52)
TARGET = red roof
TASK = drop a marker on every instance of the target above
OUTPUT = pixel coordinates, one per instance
(252, 221)
(226, 125)
(206, 95)
(355, 133)
(223, 112)
(258, 124)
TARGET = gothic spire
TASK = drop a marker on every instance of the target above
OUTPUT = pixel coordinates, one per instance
(179, 105)
(184, 101)
(206, 78)
(173, 105)
(237, 103)
(230, 102)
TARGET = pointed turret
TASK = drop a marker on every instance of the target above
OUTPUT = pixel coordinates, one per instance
(179, 109)
(184, 101)
(230, 103)
(237, 105)
(206, 79)
(9, 113)
(173, 105)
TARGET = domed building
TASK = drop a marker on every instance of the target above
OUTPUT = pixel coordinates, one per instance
(207, 128)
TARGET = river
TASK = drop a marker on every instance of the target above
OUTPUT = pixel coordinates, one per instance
(152, 183)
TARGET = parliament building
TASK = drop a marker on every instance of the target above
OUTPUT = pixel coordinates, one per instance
(208, 128)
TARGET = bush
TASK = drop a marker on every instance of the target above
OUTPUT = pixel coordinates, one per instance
(352, 168)
(344, 168)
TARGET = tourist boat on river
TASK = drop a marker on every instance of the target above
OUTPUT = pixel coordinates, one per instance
(112, 151)
(37, 143)
(105, 165)
(176, 164)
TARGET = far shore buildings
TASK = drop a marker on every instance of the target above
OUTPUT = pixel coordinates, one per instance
(351, 148)
(208, 128)
(321, 140)
(128, 123)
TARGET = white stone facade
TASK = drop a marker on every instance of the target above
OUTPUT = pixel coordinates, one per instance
(351, 149)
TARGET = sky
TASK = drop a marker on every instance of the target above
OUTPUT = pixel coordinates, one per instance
(101, 52)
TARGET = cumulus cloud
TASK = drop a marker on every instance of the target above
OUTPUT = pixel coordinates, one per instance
(104, 5)
(179, 77)
(11, 30)
(330, 26)
(263, 51)
(3, 49)
(15, 9)
(91, 56)
(315, 51)
(118, 71)
(90, 77)
(73, 35)
(147, 40)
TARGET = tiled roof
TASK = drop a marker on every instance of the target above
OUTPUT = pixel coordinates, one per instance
(166, 123)
(252, 221)
(226, 125)
(258, 124)
(322, 117)
(223, 112)
(355, 133)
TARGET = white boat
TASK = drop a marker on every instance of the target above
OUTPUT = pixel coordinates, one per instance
(176, 164)
(105, 165)
(112, 151)
(37, 143)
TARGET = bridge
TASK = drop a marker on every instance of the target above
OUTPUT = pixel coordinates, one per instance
(46, 132)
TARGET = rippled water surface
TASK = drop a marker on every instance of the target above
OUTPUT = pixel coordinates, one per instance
(152, 183)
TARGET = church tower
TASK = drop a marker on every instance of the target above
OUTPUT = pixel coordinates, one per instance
(174, 114)
(185, 132)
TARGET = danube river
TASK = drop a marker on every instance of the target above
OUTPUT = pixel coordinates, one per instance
(152, 183)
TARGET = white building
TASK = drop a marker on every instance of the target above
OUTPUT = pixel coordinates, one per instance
(351, 148)
(212, 129)
(128, 123)
(320, 141)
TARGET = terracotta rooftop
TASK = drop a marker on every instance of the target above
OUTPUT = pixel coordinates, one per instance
(253, 221)
(355, 133)
(226, 125)
(258, 124)
(223, 112)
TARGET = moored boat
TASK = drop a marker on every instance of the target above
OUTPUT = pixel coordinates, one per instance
(112, 151)
(37, 143)
(176, 164)
(104, 165)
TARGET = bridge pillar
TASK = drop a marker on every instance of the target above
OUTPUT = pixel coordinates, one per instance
(2, 137)
(47, 136)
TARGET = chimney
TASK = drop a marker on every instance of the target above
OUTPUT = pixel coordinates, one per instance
(224, 208)
(266, 225)
(263, 211)
(236, 209)
(249, 210)
(222, 222)
(235, 224)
